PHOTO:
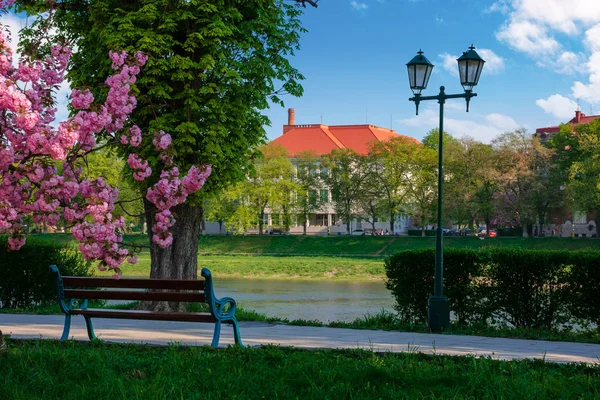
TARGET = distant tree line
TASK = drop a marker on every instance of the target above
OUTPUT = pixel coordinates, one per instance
(515, 181)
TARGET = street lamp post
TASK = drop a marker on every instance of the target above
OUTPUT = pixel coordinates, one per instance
(419, 71)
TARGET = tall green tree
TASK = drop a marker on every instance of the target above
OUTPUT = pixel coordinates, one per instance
(347, 173)
(213, 67)
(308, 181)
(389, 175)
(422, 186)
(516, 178)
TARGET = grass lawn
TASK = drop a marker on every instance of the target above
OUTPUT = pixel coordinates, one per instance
(277, 267)
(371, 246)
(320, 257)
(71, 370)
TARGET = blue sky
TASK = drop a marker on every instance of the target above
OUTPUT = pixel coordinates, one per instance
(543, 57)
(355, 51)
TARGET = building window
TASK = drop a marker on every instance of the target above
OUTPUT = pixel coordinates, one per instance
(312, 196)
(324, 173)
(324, 196)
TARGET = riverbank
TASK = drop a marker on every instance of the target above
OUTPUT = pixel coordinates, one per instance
(76, 370)
(274, 267)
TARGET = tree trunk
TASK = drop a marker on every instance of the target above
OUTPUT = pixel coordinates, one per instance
(392, 220)
(348, 226)
(524, 227)
(423, 231)
(261, 222)
(487, 227)
(180, 260)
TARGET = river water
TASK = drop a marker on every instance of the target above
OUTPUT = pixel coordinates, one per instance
(325, 301)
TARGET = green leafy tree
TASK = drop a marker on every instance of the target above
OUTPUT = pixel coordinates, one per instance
(516, 177)
(347, 173)
(308, 181)
(578, 165)
(213, 67)
(389, 176)
(422, 186)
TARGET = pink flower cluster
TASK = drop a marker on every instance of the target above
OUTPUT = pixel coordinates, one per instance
(169, 192)
(30, 182)
(139, 166)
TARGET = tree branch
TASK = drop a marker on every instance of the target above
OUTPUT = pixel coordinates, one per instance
(311, 2)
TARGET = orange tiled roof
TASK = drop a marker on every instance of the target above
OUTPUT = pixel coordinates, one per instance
(322, 139)
(580, 118)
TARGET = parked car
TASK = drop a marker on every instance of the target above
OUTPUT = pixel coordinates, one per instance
(482, 233)
(358, 232)
(465, 232)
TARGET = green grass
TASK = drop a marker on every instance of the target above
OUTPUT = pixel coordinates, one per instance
(371, 246)
(70, 370)
(276, 267)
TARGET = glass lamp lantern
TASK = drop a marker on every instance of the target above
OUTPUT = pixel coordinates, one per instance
(419, 71)
(469, 68)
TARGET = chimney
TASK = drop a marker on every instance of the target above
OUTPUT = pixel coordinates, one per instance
(578, 116)
(291, 121)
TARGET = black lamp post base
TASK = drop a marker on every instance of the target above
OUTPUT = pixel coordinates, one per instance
(439, 313)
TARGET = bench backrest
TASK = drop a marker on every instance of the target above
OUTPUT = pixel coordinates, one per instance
(95, 288)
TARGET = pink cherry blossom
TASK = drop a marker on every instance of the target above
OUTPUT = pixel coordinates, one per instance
(32, 186)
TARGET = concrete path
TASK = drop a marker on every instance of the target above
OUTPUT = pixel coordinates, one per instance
(256, 333)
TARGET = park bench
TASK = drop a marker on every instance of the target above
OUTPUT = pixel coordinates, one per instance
(71, 288)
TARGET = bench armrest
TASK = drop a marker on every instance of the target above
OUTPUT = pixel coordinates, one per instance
(221, 303)
(216, 305)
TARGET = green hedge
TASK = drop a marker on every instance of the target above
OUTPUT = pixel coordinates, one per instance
(24, 277)
(418, 232)
(539, 289)
(512, 232)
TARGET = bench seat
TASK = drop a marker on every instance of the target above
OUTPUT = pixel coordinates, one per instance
(143, 314)
(71, 288)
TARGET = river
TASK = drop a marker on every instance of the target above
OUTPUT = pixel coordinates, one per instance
(325, 301)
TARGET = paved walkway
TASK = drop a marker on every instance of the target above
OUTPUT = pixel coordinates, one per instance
(256, 333)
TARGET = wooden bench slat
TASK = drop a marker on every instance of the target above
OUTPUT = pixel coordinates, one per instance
(134, 295)
(133, 283)
(146, 315)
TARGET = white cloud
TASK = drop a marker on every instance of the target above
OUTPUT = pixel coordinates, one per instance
(494, 64)
(359, 6)
(591, 91)
(449, 63)
(533, 26)
(499, 6)
(528, 37)
(485, 130)
(592, 38)
(559, 106)
(439, 20)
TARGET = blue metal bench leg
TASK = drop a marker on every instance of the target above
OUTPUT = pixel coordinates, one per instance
(236, 332)
(90, 328)
(217, 335)
(67, 328)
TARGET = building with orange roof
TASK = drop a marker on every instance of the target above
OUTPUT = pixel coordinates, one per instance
(580, 118)
(322, 139)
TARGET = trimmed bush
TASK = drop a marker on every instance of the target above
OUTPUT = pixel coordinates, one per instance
(410, 279)
(584, 288)
(419, 232)
(24, 277)
(538, 289)
(527, 287)
(515, 232)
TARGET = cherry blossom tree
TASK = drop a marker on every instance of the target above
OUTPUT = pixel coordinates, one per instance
(41, 159)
